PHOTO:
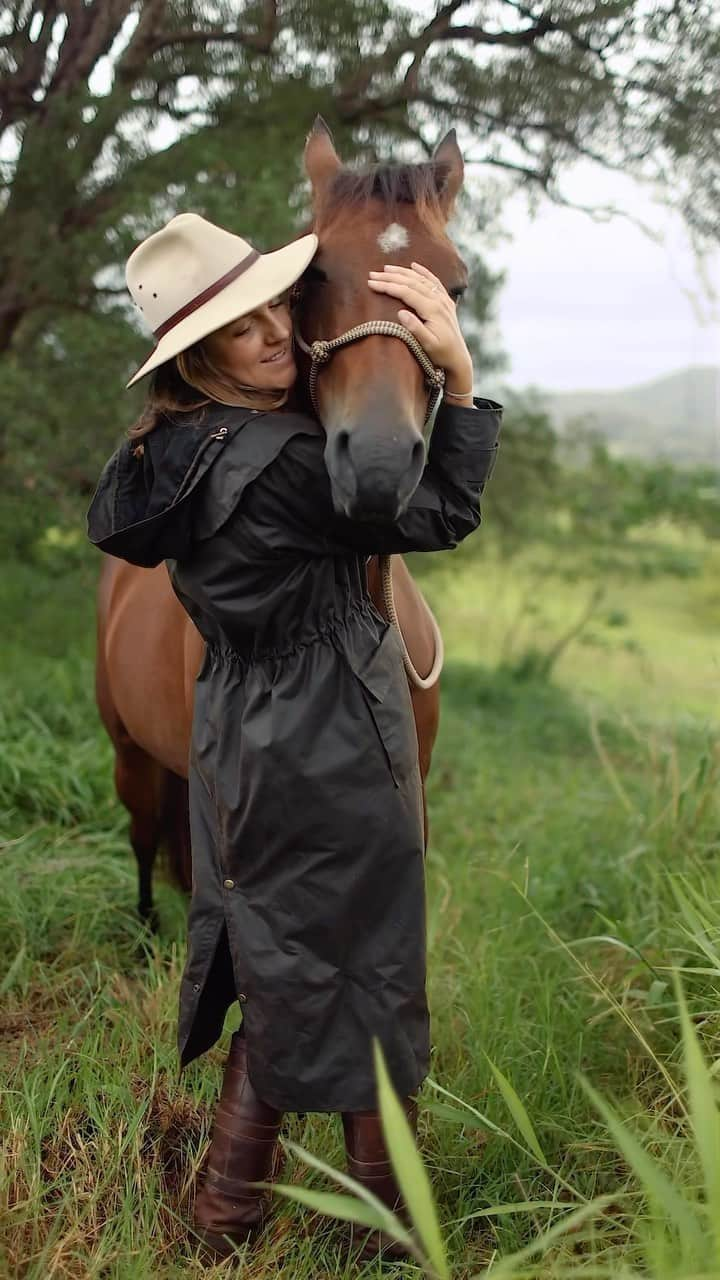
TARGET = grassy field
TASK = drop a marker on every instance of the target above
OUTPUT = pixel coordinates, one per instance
(573, 867)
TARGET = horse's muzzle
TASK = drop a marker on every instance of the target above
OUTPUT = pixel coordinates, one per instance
(373, 477)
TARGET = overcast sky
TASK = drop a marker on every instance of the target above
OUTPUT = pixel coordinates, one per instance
(599, 305)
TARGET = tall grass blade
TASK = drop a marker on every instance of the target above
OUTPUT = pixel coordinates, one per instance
(444, 1111)
(507, 1267)
(698, 928)
(506, 1210)
(518, 1111)
(335, 1205)
(383, 1218)
(657, 1186)
(704, 1116)
(409, 1169)
(464, 1113)
(13, 970)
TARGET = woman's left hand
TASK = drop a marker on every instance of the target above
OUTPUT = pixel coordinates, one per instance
(433, 319)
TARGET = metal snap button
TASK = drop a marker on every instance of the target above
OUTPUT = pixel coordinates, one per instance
(196, 986)
(229, 884)
(242, 997)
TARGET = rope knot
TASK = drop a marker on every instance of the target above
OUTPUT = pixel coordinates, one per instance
(320, 351)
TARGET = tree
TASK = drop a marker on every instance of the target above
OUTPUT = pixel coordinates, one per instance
(605, 496)
(528, 484)
(91, 89)
(116, 113)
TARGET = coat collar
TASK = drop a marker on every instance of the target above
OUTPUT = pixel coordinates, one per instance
(140, 510)
(139, 507)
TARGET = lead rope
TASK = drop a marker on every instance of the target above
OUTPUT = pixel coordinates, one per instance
(420, 682)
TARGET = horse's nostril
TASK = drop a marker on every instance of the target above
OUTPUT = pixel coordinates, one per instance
(339, 462)
(342, 443)
(417, 456)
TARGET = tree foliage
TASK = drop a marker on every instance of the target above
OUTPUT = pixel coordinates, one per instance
(571, 489)
(112, 111)
(115, 114)
(609, 496)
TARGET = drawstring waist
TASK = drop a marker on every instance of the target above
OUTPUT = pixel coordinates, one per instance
(335, 624)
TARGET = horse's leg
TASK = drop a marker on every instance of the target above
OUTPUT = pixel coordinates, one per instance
(139, 782)
(175, 833)
(137, 777)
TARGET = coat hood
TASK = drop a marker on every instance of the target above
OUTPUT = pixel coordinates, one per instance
(140, 510)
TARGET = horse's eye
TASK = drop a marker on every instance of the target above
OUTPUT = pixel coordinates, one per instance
(458, 293)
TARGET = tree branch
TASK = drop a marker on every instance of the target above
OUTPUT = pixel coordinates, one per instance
(441, 31)
(260, 41)
(388, 60)
(89, 36)
(30, 56)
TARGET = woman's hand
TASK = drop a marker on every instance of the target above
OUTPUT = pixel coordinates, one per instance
(433, 319)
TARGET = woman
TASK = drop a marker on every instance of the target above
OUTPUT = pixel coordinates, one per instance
(305, 801)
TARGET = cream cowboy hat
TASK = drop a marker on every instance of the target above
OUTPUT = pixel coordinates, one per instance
(192, 277)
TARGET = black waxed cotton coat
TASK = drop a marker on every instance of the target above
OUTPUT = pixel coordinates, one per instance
(308, 901)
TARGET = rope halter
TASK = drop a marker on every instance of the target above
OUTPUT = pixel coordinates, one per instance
(321, 352)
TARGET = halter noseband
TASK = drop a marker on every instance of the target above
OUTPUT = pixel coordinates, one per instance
(321, 352)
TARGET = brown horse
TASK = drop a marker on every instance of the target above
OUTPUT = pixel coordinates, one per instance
(372, 400)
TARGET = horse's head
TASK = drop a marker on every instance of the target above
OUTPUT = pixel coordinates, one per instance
(372, 394)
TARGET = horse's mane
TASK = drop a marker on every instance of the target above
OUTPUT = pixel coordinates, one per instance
(421, 185)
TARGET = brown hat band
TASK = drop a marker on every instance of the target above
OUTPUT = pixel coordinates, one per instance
(206, 294)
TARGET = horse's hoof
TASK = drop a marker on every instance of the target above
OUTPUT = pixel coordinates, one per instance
(150, 919)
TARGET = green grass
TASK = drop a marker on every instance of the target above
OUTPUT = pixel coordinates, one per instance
(572, 817)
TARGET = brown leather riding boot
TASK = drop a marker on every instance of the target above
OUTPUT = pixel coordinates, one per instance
(242, 1151)
(368, 1163)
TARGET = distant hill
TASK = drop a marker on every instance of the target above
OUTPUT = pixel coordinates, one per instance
(676, 417)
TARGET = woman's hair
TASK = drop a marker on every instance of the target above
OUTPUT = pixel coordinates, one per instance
(189, 384)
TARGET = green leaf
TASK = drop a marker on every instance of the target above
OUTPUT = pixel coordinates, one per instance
(409, 1169)
(518, 1112)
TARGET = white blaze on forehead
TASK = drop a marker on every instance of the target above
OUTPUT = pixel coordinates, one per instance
(393, 237)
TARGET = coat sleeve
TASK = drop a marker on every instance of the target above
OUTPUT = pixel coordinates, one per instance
(290, 505)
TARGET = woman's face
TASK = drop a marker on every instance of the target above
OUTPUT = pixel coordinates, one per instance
(256, 349)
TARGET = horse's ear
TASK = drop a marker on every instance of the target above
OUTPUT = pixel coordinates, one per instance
(321, 159)
(448, 154)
